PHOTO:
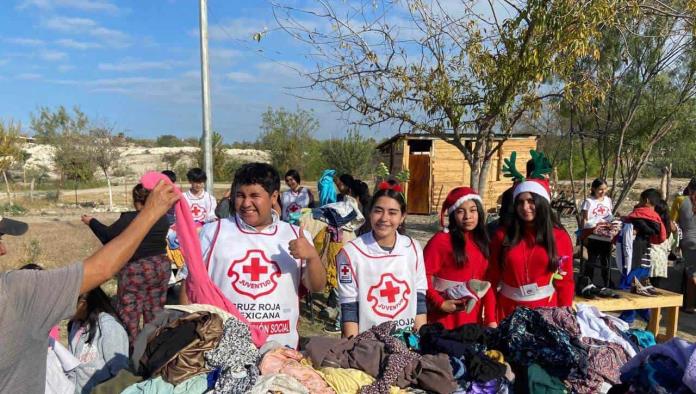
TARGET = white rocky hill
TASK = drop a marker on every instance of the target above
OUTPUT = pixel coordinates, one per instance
(138, 159)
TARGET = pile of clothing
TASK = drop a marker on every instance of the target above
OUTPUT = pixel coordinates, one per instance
(200, 349)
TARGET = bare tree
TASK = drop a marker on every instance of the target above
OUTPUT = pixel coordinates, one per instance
(648, 66)
(451, 69)
(106, 154)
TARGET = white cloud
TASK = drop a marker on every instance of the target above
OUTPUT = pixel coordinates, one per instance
(86, 26)
(69, 25)
(224, 54)
(192, 74)
(52, 55)
(241, 77)
(74, 44)
(134, 65)
(23, 41)
(65, 68)
(233, 29)
(29, 76)
(80, 5)
(282, 69)
(176, 90)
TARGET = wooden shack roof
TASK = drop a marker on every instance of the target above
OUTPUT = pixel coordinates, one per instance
(472, 136)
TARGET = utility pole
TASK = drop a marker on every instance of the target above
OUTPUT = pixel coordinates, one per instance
(205, 90)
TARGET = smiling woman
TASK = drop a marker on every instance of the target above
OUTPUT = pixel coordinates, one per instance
(532, 259)
(456, 261)
(381, 273)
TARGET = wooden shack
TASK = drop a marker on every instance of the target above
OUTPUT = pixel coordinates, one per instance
(437, 167)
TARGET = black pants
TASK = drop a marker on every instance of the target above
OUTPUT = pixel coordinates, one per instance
(598, 256)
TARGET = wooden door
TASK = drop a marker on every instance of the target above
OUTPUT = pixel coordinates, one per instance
(418, 193)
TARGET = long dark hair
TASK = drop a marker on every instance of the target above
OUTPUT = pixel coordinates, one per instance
(398, 196)
(480, 236)
(361, 192)
(545, 220)
(507, 208)
(97, 302)
(662, 209)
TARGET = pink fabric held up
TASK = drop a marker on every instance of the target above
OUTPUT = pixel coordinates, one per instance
(199, 287)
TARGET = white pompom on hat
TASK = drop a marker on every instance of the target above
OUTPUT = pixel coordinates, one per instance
(540, 187)
(455, 199)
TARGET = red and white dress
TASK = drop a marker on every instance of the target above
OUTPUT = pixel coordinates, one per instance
(255, 270)
(385, 284)
(202, 207)
(523, 278)
(441, 267)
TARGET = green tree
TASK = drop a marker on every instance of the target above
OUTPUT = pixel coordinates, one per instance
(169, 140)
(289, 137)
(353, 154)
(49, 124)
(451, 72)
(219, 157)
(74, 159)
(9, 151)
(650, 87)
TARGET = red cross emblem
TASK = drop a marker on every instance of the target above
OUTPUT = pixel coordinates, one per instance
(254, 275)
(344, 273)
(389, 297)
(255, 269)
(390, 292)
(198, 212)
(294, 207)
(600, 211)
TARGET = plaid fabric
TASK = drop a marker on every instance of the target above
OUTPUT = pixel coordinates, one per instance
(142, 291)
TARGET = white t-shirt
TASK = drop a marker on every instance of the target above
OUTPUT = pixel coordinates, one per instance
(294, 201)
(202, 207)
(597, 211)
(254, 269)
(384, 284)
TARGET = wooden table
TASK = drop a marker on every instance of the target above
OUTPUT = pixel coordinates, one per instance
(667, 300)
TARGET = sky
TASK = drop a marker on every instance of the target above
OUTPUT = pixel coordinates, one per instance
(135, 65)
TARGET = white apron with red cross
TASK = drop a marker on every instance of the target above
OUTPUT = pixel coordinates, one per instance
(257, 273)
(386, 282)
(202, 208)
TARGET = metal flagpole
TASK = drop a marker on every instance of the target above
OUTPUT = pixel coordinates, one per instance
(205, 90)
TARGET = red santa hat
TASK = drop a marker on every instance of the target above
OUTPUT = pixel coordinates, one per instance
(539, 187)
(455, 199)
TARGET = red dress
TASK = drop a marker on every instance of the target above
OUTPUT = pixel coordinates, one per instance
(440, 262)
(526, 263)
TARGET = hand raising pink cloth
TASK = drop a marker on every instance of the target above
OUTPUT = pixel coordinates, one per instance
(199, 287)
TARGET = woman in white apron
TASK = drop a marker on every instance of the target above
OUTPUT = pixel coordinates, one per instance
(381, 274)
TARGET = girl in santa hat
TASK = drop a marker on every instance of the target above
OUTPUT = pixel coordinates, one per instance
(456, 260)
(381, 274)
(532, 259)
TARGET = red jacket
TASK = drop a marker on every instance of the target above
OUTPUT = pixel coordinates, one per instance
(646, 213)
(527, 262)
(440, 262)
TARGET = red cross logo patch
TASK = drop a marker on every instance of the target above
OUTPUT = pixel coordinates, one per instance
(294, 207)
(601, 211)
(198, 212)
(254, 275)
(388, 298)
(345, 273)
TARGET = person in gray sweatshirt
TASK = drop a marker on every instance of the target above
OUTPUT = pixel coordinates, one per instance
(96, 338)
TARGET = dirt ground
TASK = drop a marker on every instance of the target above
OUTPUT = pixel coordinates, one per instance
(57, 237)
